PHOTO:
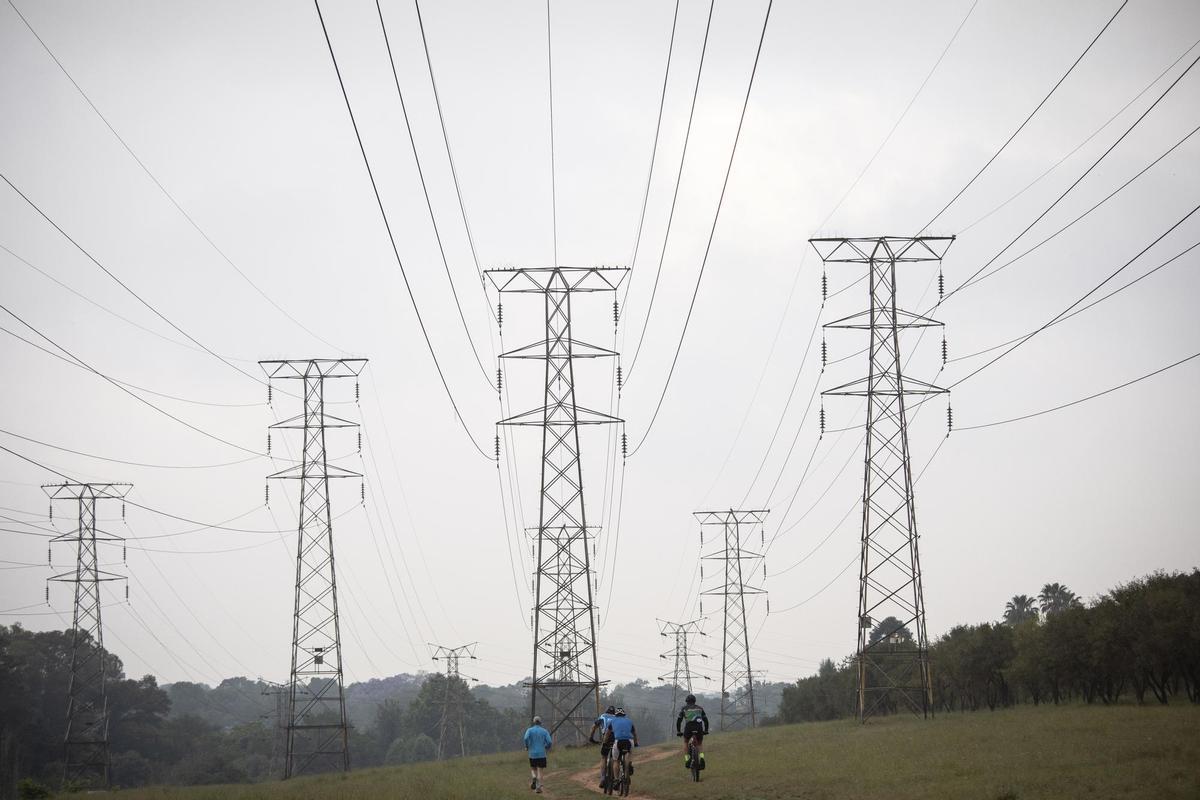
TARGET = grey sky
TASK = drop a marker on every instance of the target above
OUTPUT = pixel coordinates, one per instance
(236, 109)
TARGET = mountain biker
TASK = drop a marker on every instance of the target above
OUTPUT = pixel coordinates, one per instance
(694, 724)
(601, 724)
(621, 730)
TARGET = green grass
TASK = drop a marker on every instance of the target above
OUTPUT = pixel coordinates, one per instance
(1018, 754)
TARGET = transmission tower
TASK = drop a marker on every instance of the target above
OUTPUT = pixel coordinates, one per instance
(565, 687)
(893, 660)
(681, 675)
(317, 731)
(453, 713)
(737, 678)
(86, 757)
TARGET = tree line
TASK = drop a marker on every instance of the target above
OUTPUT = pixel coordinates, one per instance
(1139, 643)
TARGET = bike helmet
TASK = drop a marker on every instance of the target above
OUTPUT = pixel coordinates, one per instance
(690, 699)
(610, 710)
(620, 712)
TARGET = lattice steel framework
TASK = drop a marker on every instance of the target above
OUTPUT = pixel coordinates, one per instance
(738, 565)
(85, 745)
(680, 654)
(453, 719)
(565, 687)
(893, 663)
(317, 729)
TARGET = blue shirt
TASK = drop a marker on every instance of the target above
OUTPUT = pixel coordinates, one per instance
(622, 728)
(537, 741)
(603, 720)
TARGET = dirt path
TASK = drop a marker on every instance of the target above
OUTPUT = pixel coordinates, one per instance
(590, 778)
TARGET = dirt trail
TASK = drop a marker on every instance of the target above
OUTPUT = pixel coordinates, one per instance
(589, 778)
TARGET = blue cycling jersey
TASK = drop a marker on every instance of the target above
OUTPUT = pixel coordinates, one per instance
(603, 720)
(622, 729)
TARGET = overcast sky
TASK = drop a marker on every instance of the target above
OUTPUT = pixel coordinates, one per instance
(236, 110)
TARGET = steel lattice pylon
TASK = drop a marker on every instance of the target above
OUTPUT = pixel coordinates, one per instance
(893, 660)
(565, 687)
(452, 723)
(737, 677)
(680, 654)
(317, 730)
(86, 756)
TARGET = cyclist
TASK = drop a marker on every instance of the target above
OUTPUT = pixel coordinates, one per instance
(694, 724)
(601, 724)
(621, 730)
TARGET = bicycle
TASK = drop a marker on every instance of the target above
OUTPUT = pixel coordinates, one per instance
(693, 757)
(622, 776)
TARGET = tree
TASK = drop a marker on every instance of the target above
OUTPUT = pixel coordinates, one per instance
(891, 629)
(1022, 608)
(1056, 598)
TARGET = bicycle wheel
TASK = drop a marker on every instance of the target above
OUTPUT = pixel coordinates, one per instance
(695, 761)
(608, 776)
(624, 775)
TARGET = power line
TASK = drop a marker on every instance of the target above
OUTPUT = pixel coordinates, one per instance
(1021, 127)
(126, 286)
(66, 360)
(1077, 181)
(392, 239)
(135, 396)
(1080, 310)
(1081, 145)
(1080, 400)
(129, 463)
(1108, 197)
(425, 190)
(712, 231)
(1069, 308)
(674, 195)
(163, 189)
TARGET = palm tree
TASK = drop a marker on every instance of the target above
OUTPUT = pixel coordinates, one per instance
(1056, 597)
(1020, 609)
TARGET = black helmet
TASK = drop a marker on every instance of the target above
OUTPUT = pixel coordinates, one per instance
(610, 710)
(620, 712)
(690, 699)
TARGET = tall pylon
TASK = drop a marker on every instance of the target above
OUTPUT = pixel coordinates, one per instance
(565, 684)
(86, 758)
(738, 567)
(317, 730)
(453, 721)
(893, 649)
(680, 654)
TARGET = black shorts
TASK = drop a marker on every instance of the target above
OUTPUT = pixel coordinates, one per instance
(605, 748)
(624, 746)
(689, 731)
(538, 762)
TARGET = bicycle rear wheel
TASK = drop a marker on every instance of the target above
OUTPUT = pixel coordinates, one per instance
(694, 752)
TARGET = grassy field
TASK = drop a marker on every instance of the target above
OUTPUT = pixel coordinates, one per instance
(1018, 754)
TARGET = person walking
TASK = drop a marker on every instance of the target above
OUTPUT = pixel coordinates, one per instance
(537, 744)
